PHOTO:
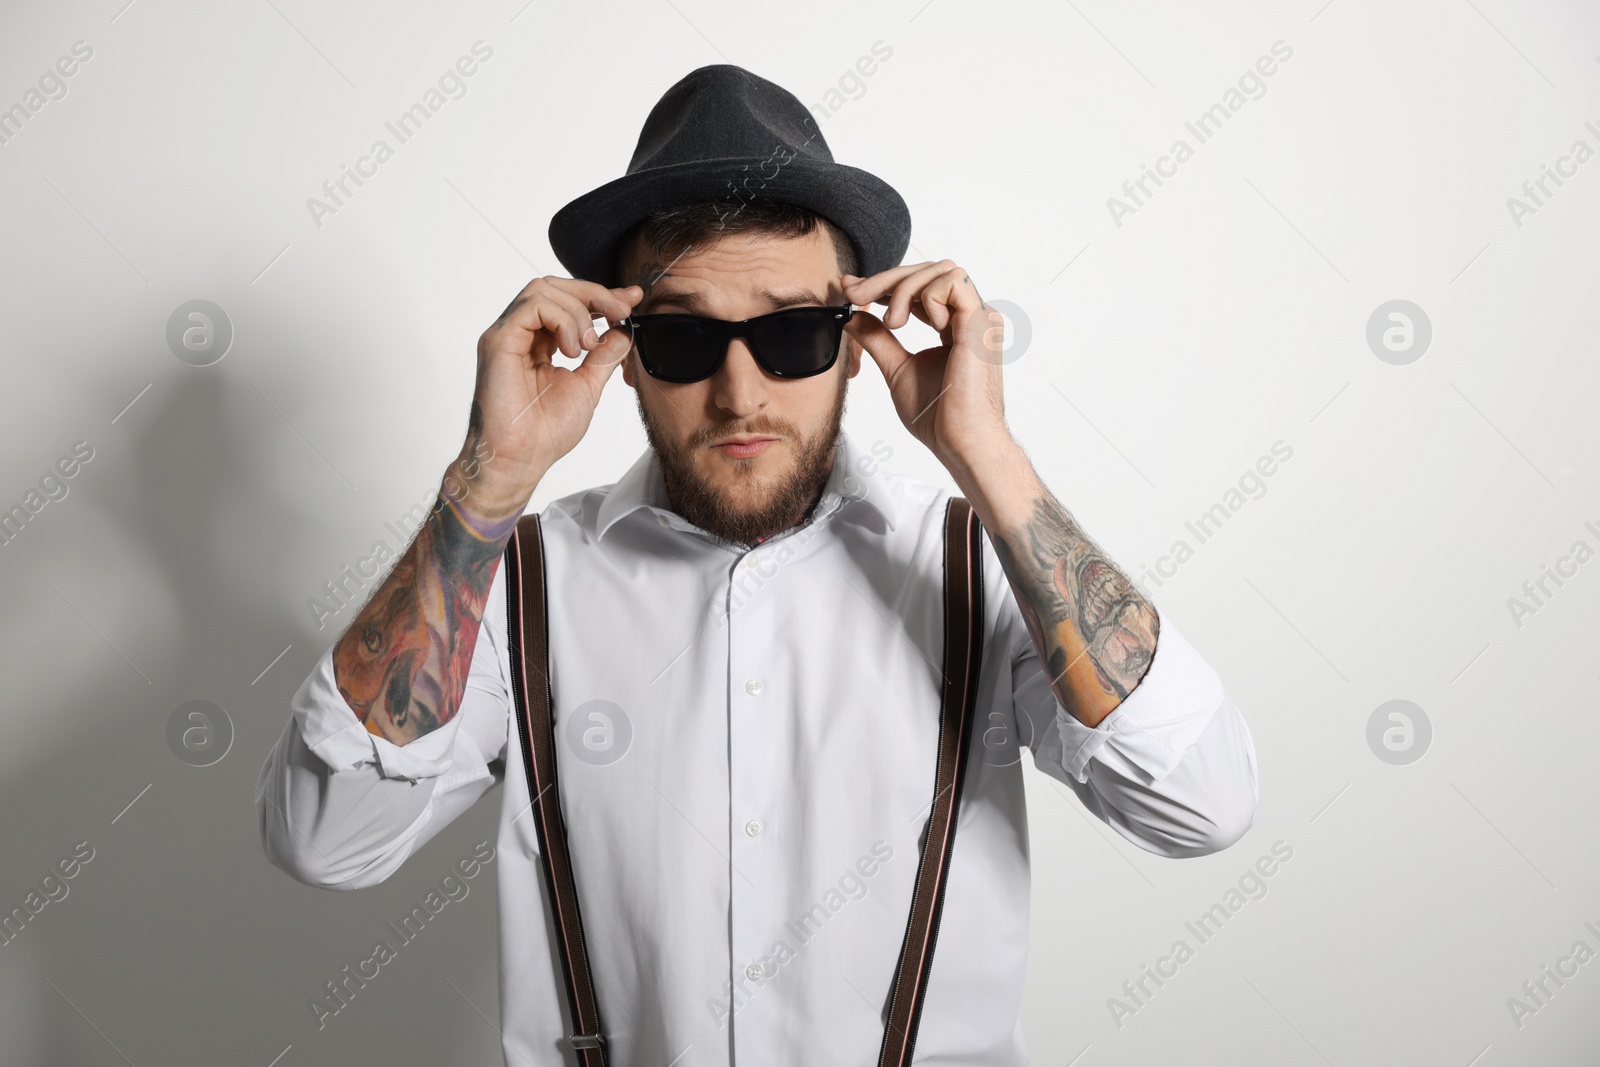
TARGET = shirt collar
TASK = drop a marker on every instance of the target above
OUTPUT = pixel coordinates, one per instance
(642, 486)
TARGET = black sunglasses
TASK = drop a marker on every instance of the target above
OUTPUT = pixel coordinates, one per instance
(792, 343)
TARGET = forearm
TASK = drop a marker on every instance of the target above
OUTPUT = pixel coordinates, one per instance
(402, 663)
(1094, 632)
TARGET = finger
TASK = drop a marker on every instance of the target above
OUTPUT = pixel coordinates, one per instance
(951, 294)
(620, 305)
(522, 296)
(571, 320)
(630, 295)
(532, 319)
(868, 290)
(535, 309)
(900, 303)
(612, 303)
(519, 333)
(603, 358)
(879, 341)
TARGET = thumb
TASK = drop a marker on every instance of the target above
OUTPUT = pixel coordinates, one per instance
(600, 361)
(879, 341)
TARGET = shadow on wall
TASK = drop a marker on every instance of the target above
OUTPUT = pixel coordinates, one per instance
(177, 942)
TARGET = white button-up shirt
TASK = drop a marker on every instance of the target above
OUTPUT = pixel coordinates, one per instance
(746, 741)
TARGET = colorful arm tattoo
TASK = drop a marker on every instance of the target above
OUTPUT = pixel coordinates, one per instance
(402, 664)
(1095, 634)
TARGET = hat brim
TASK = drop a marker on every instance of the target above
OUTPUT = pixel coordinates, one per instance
(584, 234)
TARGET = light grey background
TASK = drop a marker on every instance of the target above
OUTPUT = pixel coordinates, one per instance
(1167, 354)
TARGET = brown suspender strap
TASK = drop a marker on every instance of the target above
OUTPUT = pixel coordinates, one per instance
(963, 659)
(526, 612)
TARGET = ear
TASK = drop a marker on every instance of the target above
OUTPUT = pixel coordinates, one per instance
(627, 370)
(853, 351)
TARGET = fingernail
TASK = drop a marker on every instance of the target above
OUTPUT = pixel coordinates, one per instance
(590, 338)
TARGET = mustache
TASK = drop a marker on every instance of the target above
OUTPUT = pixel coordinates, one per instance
(775, 427)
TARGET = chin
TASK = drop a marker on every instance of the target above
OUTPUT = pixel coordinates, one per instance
(747, 483)
(748, 479)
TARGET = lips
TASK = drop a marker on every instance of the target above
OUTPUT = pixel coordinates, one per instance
(746, 448)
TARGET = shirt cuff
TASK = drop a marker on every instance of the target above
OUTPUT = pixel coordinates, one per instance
(1146, 736)
(343, 742)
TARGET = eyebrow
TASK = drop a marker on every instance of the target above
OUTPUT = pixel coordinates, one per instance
(695, 304)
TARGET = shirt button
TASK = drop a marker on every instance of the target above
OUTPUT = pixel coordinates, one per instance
(753, 687)
(754, 971)
(753, 827)
(662, 519)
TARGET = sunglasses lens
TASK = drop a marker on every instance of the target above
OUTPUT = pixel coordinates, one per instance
(800, 342)
(794, 343)
(677, 347)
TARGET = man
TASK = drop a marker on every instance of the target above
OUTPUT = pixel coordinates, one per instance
(745, 632)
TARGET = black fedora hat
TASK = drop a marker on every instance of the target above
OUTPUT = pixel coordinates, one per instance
(725, 135)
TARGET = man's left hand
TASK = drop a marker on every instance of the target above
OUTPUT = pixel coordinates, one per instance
(949, 396)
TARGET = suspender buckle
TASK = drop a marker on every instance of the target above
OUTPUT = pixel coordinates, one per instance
(583, 1041)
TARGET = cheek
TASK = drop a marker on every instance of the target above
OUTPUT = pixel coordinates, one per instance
(673, 408)
(812, 414)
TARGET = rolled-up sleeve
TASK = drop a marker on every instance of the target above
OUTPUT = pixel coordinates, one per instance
(342, 808)
(1172, 768)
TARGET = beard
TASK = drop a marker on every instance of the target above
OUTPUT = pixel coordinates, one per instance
(783, 502)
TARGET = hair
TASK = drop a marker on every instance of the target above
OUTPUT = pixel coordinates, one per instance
(671, 231)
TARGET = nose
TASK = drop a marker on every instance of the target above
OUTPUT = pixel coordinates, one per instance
(740, 383)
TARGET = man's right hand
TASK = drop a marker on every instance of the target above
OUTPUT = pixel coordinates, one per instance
(526, 412)
(402, 664)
